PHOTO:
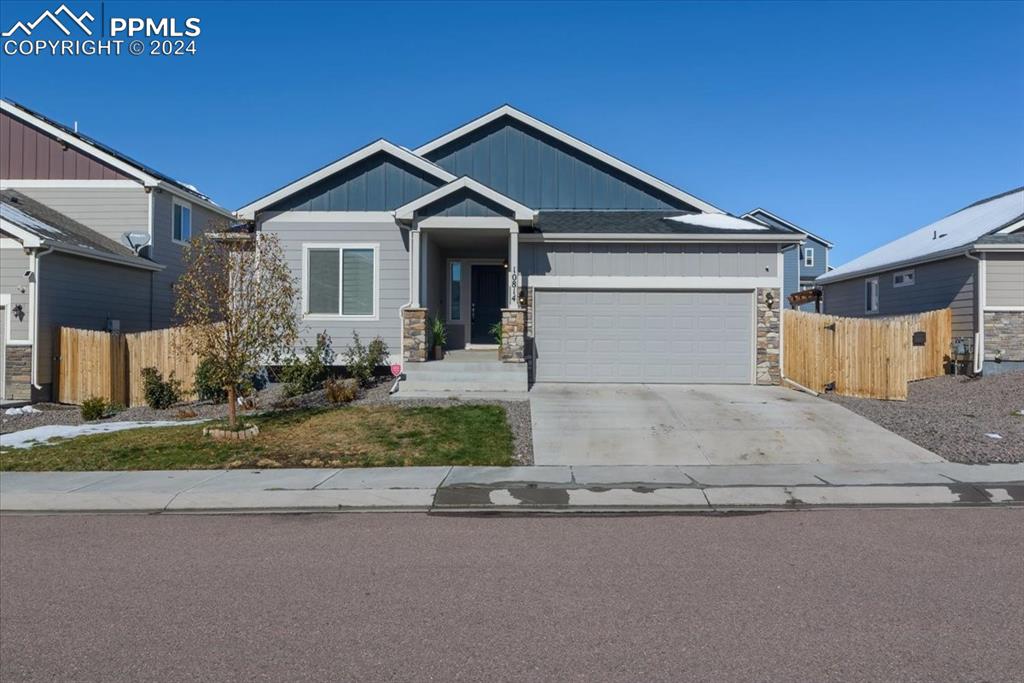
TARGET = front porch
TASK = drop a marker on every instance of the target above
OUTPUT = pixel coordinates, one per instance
(466, 374)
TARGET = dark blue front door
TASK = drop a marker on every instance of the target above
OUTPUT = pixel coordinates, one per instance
(488, 297)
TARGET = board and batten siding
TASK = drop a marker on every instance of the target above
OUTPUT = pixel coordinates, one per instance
(86, 293)
(543, 173)
(393, 278)
(170, 254)
(27, 153)
(110, 211)
(940, 284)
(13, 264)
(1004, 279)
(650, 259)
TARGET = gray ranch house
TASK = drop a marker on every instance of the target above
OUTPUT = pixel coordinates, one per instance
(594, 270)
(801, 263)
(971, 261)
(89, 238)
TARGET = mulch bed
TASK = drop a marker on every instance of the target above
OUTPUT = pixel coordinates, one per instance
(954, 416)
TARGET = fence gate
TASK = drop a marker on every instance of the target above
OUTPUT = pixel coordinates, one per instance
(865, 357)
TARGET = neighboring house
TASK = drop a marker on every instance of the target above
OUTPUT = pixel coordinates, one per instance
(971, 261)
(595, 270)
(78, 186)
(802, 263)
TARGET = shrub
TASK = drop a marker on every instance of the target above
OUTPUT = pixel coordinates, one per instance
(159, 393)
(307, 374)
(93, 408)
(362, 361)
(209, 386)
(495, 331)
(341, 390)
(438, 332)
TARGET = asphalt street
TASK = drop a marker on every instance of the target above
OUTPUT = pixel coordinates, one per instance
(855, 595)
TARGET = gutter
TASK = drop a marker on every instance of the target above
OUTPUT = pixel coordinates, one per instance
(658, 237)
(130, 261)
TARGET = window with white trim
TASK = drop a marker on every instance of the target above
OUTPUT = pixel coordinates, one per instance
(903, 278)
(871, 295)
(181, 221)
(809, 257)
(341, 281)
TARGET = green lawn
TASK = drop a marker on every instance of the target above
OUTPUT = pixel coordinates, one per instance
(342, 437)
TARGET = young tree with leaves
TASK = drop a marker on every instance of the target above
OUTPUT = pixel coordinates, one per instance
(236, 300)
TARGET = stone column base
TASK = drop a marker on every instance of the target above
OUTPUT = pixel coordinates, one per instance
(1004, 335)
(513, 335)
(18, 371)
(769, 369)
(414, 335)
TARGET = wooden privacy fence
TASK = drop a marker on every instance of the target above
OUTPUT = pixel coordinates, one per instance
(109, 364)
(865, 357)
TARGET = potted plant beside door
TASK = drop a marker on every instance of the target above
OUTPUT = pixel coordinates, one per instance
(439, 334)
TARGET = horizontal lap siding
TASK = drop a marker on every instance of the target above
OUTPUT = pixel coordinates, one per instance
(110, 211)
(941, 284)
(666, 260)
(85, 293)
(170, 254)
(1004, 279)
(394, 276)
(13, 264)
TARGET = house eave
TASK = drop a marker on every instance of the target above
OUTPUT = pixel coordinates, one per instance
(894, 265)
(657, 237)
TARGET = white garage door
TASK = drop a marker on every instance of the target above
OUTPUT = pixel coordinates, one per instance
(643, 336)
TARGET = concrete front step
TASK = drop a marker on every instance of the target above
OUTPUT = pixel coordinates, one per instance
(462, 386)
(469, 379)
(410, 394)
(453, 368)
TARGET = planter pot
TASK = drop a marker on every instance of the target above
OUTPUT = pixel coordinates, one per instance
(231, 435)
(438, 353)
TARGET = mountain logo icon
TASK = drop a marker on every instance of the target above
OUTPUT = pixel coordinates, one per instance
(54, 17)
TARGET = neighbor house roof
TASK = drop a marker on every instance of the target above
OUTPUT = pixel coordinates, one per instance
(754, 214)
(566, 139)
(380, 146)
(642, 223)
(146, 175)
(947, 237)
(36, 225)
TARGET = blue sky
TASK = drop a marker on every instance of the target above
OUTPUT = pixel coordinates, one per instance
(858, 121)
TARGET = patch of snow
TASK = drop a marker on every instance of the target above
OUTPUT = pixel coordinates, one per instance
(718, 221)
(24, 410)
(958, 230)
(41, 435)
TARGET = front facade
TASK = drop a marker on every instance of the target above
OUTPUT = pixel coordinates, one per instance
(508, 229)
(130, 210)
(971, 262)
(801, 263)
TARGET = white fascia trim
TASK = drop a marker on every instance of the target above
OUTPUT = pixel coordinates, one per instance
(468, 223)
(78, 143)
(249, 210)
(27, 239)
(69, 184)
(195, 199)
(575, 143)
(649, 282)
(655, 237)
(999, 247)
(520, 211)
(328, 217)
(1004, 309)
(787, 224)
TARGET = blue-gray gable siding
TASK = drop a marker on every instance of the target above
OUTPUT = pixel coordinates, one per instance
(377, 183)
(791, 273)
(543, 173)
(464, 203)
(820, 251)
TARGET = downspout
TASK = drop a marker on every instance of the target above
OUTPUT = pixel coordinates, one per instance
(401, 326)
(34, 303)
(979, 312)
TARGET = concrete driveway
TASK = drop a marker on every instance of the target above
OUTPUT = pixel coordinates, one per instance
(659, 424)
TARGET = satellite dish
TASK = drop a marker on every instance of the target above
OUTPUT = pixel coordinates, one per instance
(137, 240)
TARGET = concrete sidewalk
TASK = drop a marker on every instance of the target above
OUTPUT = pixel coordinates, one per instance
(697, 488)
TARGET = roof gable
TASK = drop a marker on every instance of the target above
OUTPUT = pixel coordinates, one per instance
(379, 177)
(543, 167)
(465, 197)
(768, 218)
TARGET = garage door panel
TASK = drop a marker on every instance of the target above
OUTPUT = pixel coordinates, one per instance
(643, 336)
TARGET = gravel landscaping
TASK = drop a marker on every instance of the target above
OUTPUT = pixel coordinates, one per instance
(272, 398)
(961, 419)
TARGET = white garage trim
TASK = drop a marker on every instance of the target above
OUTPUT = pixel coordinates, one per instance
(649, 282)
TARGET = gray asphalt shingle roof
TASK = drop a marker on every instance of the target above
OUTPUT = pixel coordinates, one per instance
(635, 222)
